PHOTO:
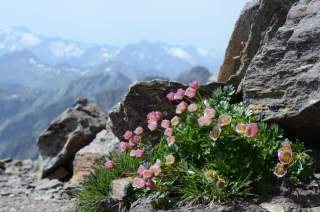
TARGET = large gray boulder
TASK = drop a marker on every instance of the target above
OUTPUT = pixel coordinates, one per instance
(144, 97)
(68, 133)
(278, 70)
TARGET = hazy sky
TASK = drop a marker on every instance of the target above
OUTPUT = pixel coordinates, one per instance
(202, 23)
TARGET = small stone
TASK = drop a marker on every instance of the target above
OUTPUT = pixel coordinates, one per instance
(119, 188)
(280, 204)
(142, 205)
(5, 193)
(18, 163)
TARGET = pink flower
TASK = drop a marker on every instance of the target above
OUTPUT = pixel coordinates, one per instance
(138, 131)
(165, 124)
(152, 125)
(108, 164)
(179, 94)
(139, 153)
(171, 140)
(280, 170)
(195, 85)
(285, 156)
(138, 182)
(175, 121)
(147, 174)
(170, 96)
(141, 170)
(192, 107)
(127, 135)
(225, 120)
(204, 121)
(149, 184)
(241, 128)
(181, 107)
(123, 146)
(154, 116)
(251, 130)
(190, 92)
(215, 133)
(209, 112)
(168, 132)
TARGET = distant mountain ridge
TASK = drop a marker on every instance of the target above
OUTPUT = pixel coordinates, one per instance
(167, 59)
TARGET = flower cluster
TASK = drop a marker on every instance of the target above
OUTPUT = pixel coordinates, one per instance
(285, 157)
(190, 92)
(248, 130)
(130, 141)
(145, 179)
(153, 118)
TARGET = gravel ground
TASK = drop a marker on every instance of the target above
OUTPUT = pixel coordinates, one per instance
(19, 192)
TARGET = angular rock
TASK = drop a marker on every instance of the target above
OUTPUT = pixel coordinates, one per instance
(278, 69)
(119, 188)
(144, 97)
(284, 75)
(72, 130)
(234, 55)
(98, 150)
(257, 24)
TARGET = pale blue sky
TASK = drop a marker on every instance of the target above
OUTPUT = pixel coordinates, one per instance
(202, 23)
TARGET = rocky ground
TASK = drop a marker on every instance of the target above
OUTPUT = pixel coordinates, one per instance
(20, 192)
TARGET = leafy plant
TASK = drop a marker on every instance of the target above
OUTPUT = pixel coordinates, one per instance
(211, 150)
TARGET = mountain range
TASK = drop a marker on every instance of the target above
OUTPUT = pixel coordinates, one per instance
(169, 60)
(41, 77)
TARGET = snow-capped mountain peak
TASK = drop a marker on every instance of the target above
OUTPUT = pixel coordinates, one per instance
(169, 60)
